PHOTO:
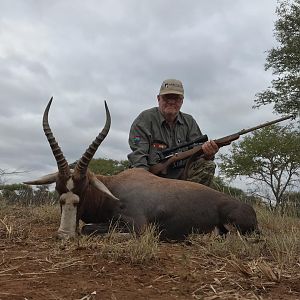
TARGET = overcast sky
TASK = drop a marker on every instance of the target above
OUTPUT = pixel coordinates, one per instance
(85, 52)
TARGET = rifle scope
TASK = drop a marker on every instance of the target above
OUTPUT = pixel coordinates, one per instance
(199, 140)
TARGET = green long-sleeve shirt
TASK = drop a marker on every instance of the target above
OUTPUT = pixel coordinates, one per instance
(150, 133)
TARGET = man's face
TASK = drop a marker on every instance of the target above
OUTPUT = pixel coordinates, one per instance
(170, 104)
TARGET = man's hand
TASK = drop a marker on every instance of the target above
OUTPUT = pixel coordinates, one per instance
(210, 148)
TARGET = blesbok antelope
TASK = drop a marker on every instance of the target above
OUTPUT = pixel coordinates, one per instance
(137, 197)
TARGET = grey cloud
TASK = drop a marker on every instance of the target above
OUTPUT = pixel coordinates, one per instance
(83, 53)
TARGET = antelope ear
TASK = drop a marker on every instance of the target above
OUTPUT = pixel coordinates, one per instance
(47, 179)
(102, 188)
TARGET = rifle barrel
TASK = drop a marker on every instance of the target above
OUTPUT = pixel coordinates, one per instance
(244, 131)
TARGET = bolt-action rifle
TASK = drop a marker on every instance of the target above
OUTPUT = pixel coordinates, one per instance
(169, 156)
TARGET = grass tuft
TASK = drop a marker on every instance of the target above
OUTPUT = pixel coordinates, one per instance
(120, 246)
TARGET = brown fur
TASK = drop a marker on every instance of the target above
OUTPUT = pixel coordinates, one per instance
(177, 207)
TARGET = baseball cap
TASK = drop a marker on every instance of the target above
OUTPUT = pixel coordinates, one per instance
(171, 86)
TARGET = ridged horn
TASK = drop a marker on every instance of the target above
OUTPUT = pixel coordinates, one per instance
(62, 163)
(84, 161)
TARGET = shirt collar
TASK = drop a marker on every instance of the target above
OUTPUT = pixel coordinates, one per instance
(162, 119)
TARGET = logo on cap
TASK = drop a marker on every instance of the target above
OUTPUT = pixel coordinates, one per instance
(171, 86)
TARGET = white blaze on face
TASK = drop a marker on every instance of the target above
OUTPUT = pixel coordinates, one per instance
(70, 184)
(67, 228)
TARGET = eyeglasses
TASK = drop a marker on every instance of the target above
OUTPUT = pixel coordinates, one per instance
(169, 97)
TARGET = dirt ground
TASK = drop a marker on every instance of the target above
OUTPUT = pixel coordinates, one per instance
(37, 266)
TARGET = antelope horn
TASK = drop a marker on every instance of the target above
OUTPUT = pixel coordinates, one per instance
(62, 163)
(102, 188)
(84, 161)
(48, 179)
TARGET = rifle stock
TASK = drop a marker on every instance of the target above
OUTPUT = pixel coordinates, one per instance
(162, 167)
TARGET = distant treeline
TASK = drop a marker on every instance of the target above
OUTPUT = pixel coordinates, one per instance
(27, 195)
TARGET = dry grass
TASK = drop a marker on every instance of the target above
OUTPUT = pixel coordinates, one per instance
(44, 214)
(133, 249)
(16, 221)
(13, 229)
(278, 243)
(281, 233)
(205, 267)
(119, 246)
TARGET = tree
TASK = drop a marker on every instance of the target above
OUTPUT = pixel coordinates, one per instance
(269, 157)
(284, 61)
(26, 195)
(105, 166)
